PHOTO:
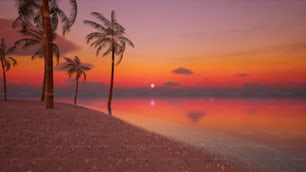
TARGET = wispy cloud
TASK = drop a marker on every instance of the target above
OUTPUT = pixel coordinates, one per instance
(195, 116)
(243, 75)
(288, 48)
(170, 84)
(182, 71)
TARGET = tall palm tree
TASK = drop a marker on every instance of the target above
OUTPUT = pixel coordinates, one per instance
(40, 12)
(76, 67)
(6, 63)
(34, 38)
(109, 36)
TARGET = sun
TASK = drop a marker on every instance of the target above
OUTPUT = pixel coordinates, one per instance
(152, 85)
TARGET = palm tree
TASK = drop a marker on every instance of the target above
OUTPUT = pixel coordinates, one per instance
(6, 63)
(34, 38)
(40, 12)
(109, 36)
(76, 67)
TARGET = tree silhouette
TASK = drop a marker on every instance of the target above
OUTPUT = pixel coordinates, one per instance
(40, 13)
(6, 63)
(75, 67)
(34, 38)
(109, 36)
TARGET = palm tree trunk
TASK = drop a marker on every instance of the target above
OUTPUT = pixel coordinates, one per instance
(112, 83)
(4, 80)
(4, 86)
(47, 34)
(43, 87)
(45, 80)
(76, 91)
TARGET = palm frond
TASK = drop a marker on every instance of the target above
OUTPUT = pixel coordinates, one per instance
(8, 62)
(56, 52)
(16, 22)
(85, 68)
(124, 39)
(32, 33)
(74, 11)
(70, 72)
(26, 42)
(77, 60)
(102, 41)
(99, 50)
(94, 35)
(7, 65)
(105, 21)
(108, 51)
(113, 16)
(120, 50)
(94, 25)
(110, 32)
(11, 49)
(3, 46)
(12, 61)
(69, 60)
(118, 28)
(39, 53)
(84, 76)
(64, 20)
(54, 22)
(38, 21)
(95, 43)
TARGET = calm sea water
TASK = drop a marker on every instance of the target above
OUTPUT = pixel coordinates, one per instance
(269, 134)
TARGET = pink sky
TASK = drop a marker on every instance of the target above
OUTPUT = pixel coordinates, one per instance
(223, 43)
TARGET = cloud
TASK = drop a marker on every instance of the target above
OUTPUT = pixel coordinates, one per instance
(12, 35)
(288, 48)
(243, 75)
(170, 84)
(182, 71)
(195, 116)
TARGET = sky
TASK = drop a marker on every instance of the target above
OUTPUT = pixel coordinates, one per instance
(182, 44)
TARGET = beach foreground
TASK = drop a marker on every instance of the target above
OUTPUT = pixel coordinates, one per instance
(71, 138)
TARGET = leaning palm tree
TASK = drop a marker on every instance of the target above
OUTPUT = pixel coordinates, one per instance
(109, 36)
(6, 63)
(34, 37)
(41, 12)
(76, 67)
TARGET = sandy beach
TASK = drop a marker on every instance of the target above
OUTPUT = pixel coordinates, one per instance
(72, 138)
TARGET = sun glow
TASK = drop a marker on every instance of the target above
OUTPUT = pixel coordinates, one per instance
(152, 85)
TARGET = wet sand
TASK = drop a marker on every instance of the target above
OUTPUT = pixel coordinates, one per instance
(72, 138)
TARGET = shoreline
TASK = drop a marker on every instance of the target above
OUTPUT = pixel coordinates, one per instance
(75, 138)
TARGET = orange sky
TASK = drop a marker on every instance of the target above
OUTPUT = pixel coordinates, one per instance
(222, 43)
